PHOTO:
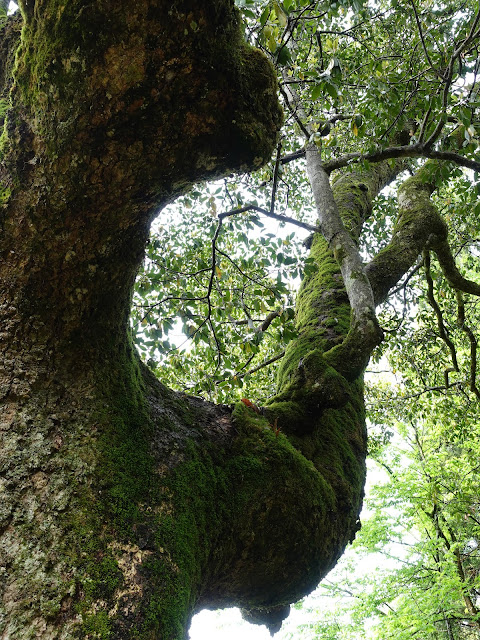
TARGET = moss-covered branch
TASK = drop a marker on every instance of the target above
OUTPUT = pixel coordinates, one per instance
(418, 220)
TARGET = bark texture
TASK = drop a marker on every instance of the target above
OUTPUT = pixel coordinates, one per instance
(126, 507)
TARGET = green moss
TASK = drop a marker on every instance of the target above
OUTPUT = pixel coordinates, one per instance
(98, 626)
(354, 206)
(3, 108)
(322, 320)
(5, 195)
(262, 483)
(105, 578)
(257, 132)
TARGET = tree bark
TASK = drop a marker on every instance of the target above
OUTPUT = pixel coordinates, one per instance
(126, 507)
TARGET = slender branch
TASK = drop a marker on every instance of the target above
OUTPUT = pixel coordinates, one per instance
(295, 107)
(423, 126)
(268, 321)
(154, 305)
(448, 79)
(473, 344)
(403, 286)
(422, 39)
(438, 312)
(404, 151)
(263, 364)
(242, 273)
(413, 396)
(450, 269)
(264, 324)
(275, 179)
(269, 214)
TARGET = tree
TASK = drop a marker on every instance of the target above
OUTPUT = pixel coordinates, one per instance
(127, 505)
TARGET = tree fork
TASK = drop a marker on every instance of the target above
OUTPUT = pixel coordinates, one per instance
(126, 507)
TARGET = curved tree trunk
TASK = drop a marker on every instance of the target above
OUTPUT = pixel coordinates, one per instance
(124, 506)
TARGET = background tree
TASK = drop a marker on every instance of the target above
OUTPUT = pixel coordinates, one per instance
(413, 570)
(127, 505)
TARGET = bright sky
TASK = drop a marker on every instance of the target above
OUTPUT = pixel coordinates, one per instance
(227, 623)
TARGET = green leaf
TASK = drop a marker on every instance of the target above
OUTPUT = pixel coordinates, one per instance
(281, 15)
(331, 89)
(316, 92)
(283, 56)
(265, 14)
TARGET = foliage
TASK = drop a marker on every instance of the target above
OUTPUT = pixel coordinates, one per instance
(229, 313)
(363, 74)
(414, 569)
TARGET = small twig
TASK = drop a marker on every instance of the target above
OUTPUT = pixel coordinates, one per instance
(402, 287)
(387, 400)
(242, 273)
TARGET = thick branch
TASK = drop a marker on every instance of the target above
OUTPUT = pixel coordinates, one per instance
(403, 151)
(364, 329)
(418, 220)
(450, 270)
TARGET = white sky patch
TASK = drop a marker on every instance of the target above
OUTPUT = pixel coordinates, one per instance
(226, 623)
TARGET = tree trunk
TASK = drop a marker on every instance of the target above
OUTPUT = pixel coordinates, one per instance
(126, 507)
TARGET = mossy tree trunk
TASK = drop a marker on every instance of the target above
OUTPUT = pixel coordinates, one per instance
(124, 506)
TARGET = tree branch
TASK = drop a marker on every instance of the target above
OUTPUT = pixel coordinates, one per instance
(418, 221)
(422, 39)
(364, 329)
(450, 270)
(263, 364)
(418, 150)
(438, 312)
(405, 151)
(269, 214)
